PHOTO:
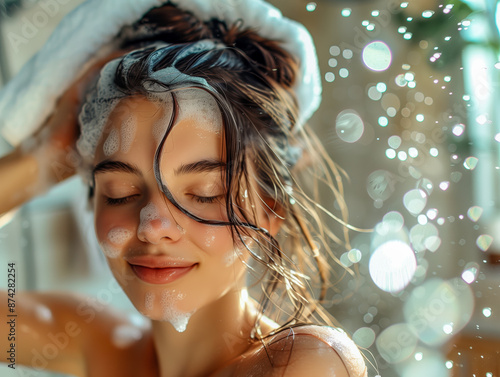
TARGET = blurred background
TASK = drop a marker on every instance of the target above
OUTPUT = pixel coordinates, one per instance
(409, 112)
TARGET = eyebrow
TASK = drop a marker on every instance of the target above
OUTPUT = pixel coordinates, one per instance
(108, 166)
(202, 166)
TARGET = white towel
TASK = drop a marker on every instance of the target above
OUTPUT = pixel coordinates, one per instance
(29, 98)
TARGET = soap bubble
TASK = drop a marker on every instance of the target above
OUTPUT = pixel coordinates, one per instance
(380, 185)
(393, 221)
(436, 305)
(470, 163)
(487, 312)
(474, 213)
(424, 237)
(349, 126)
(377, 56)
(484, 242)
(471, 270)
(392, 265)
(415, 201)
(364, 337)
(396, 343)
(354, 255)
(428, 363)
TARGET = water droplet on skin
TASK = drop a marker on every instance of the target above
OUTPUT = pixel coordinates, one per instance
(125, 335)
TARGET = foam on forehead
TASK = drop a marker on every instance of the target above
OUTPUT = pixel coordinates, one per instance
(199, 106)
(104, 95)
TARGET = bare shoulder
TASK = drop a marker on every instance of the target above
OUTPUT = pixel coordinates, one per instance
(63, 332)
(315, 350)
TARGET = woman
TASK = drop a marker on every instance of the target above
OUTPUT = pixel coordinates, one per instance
(188, 142)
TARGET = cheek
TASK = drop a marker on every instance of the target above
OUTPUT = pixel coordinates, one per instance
(213, 239)
(113, 232)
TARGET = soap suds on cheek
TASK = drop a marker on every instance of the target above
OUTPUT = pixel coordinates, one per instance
(112, 143)
(149, 300)
(119, 236)
(170, 313)
(128, 130)
(210, 237)
(109, 250)
(116, 237)
(149, 214)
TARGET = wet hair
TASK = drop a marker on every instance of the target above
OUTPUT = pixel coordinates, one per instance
(252, 81)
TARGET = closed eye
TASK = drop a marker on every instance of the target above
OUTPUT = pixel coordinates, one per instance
(119, 201)
(206, 199)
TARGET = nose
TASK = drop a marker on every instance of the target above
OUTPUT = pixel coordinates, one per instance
(157, 224)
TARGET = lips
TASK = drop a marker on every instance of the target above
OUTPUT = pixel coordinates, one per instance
(159, 269)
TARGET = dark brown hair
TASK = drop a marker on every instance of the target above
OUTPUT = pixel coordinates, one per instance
(252, 80)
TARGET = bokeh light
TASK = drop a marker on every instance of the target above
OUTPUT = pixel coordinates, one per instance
(436, 305)
(349, 126)
(377, 56)
(392, 265)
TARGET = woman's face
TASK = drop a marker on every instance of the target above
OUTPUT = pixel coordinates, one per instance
(168, 264)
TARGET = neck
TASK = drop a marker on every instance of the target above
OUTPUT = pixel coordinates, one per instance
(214, 336)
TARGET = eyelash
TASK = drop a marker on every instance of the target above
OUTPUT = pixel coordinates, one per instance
(205, 199)
(127, 199)
(119, 201)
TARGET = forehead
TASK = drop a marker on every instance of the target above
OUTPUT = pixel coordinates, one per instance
(142, 122)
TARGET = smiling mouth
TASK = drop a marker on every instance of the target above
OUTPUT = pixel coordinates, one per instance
(158, 275)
